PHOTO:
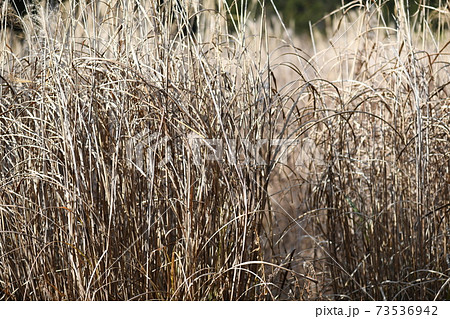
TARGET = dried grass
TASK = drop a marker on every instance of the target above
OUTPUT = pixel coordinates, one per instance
(110, 121)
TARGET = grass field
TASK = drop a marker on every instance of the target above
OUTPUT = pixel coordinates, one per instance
(142, 161)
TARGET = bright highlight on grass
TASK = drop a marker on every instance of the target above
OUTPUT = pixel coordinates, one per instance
(104, 196)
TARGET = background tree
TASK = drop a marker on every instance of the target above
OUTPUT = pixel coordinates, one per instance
(301, 12)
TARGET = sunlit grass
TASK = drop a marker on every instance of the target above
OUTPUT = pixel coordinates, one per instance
(142, 161)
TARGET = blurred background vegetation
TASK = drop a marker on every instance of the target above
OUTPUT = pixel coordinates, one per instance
(297, 14)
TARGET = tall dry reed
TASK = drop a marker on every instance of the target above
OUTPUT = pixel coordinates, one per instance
(143, 161)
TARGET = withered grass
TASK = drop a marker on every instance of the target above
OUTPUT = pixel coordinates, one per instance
(113, 185)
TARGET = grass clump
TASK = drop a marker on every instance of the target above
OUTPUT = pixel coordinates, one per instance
(152, 151)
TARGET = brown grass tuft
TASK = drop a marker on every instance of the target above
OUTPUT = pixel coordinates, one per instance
(142, 161)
